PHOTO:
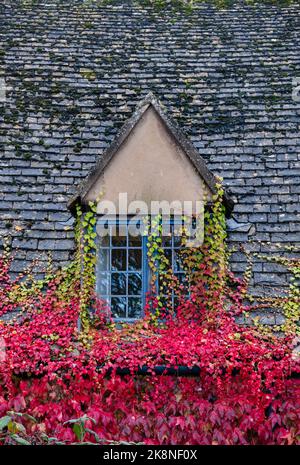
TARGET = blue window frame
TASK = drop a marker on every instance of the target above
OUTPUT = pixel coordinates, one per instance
(123, 274)
(122, 269)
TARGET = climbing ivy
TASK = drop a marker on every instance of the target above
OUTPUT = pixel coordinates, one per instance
(287, 301)
(63, 383)
(87, 246)
(206, 267)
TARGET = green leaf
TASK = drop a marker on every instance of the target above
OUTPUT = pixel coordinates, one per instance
(4, 422)
(79, 431)
(20, 440)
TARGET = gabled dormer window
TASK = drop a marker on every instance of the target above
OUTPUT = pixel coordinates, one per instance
(150, 160)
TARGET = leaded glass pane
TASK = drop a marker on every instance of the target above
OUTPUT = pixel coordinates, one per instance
(104, 283)
(104, 259)
(119, 240)
(118, 307)
(118, 283)
(134, 284)
(134, 259)
(118, 259)
(134, 307)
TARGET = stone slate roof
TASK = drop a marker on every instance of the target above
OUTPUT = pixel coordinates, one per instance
(74, 72)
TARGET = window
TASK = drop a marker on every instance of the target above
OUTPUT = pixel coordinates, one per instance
(172, 243)
(123, 273)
